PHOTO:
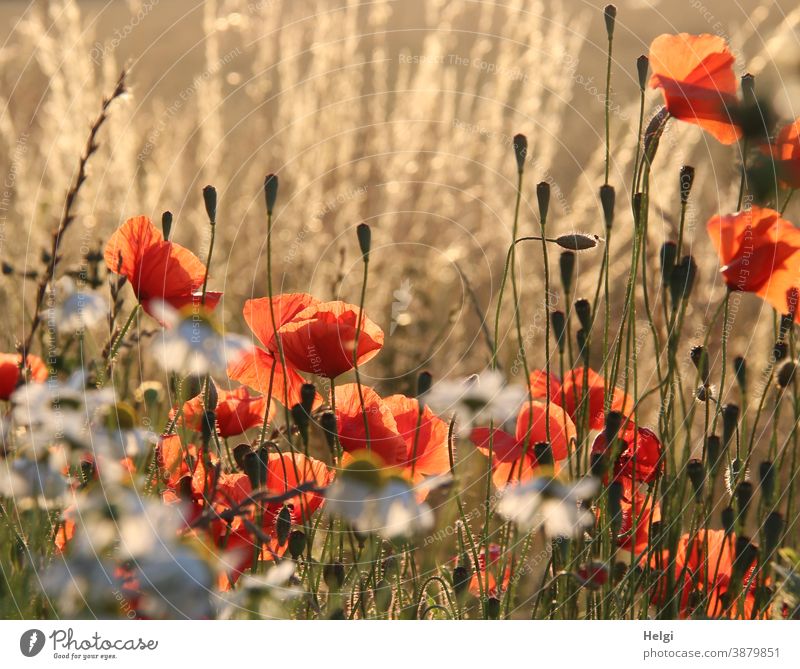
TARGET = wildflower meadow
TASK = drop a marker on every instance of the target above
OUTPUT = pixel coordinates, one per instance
(485, 321)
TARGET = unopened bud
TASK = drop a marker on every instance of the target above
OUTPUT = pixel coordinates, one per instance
(308, 393)
(210, 200)
(584, 312)
(740, 372)
(543, 198)
(607, 199)
(730, 422)
(166, 224)
(364, 234)
(333, 575)
(543, 453)
(766, 477)
(682, 279)
(271, 191)
(577, 241)
(669, 253)
(697, 476)
(297, 544)
(283, 525)
(642, 66)
(786, 374)
(610, 15)
(566, 264)
(520, 151)
(699, 357)
(743, 495)
(559, 323)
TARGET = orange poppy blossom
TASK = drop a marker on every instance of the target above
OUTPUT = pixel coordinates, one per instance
(192, 485)
(759, 252)
(785, 151)
(695, 74)
(704, 568)
(237, 411)
(260, 368)
(569, 393)
(156, 269)
(9, 372)
(513, 456)
(385, 439)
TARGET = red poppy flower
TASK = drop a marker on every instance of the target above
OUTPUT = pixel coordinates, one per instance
(759, 252)
(9, 372)
(320, 339)
(785, 151)
(695, 73)
(640, 456)
(431, 456)
(237, 411)
(639, 511)
(704, 568)
(260, 369)
(569, 393)
(480, 573)
(155, 268)
(384, 437)
(512, 453)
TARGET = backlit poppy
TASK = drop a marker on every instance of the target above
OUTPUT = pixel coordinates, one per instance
(385, 439)
(260, 368)
(570, 394)
(9, 372)
(640, 457)
(759, 252)
(785, 151)
(321, 338)
(513, 457)
(155, 268)
(236, 411)
(426, 447)
(695, 73)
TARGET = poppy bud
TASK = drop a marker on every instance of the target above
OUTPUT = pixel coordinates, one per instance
(461, 578)
(669, 253)
(743, 495)
(283, 525)
(785, 325)
(543, 198)
(728, 519)
(271, 191)
(328, 423)
(300, 419)
(615, 491)
(748, 88)
(492, 608)
(87, 471)
(566, 263)
(297, 544)
(714, 451)
(185, 492)
(584, 312)
(682, 279)
(642, 65)
(786, 373)
(730, 421)
(424, 383)
(779, 351)
(583, 348)
(364, 233)
(685, 182)
(745, 555)
(543, 453)
(256, 469)
(740, 371)
(333, 575)
(577, 241)
(766, 477)
(597, 464)
(699, 357)
(612, 426)
(207, 426)
(610, 14)
(308, 393)
(520, 151)
(239, 454)
(166, 224)
(559, 323)
(696, 474)
(210, 200)
(773, 532)
(211, 396)
(608, 197)
(383, 596)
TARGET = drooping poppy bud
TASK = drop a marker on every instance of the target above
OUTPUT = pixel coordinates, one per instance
(697, 475)
(297, 544)
(743, 497)
(239, 454)
(283, 525)
(328, 423)
(492, 608)
(786, 373)
(333, 575)
(543, 453)
(730, 422)
(682, 279)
